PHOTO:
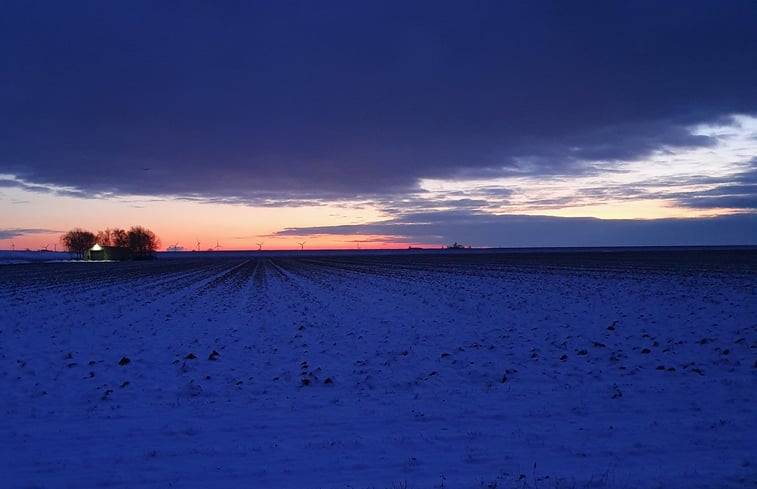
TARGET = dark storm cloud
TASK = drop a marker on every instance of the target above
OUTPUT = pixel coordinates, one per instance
(539, 231)
(340, 99)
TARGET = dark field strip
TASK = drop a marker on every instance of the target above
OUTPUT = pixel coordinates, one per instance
(666, 260)
(176, 273)
(49, 274)
(477, 263)
(29, 281)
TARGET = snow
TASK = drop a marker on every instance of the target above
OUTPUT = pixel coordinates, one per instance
(18, 257)
(418, 370)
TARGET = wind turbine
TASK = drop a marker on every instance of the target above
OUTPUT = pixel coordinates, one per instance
(13, 246)
(198, 245)
(217, 246)
(260, 246)
(302, 245)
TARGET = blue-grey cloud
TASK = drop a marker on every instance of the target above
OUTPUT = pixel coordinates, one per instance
(737, 192)
(725, 197)
(18, 232)
(543, 231)
(341, 99)
(44, 189)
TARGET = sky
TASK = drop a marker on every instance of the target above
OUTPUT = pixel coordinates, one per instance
(342, 124)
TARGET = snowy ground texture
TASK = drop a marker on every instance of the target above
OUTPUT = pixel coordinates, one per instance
(454, 370)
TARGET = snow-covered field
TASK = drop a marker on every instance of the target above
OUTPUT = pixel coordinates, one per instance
(454, 370)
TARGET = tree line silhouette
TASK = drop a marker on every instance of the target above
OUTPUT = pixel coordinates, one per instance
(140, 241)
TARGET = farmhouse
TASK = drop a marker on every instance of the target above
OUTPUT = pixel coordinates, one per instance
(103, 253)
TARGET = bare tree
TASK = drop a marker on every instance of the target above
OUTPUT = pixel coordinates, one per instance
(113, 237)
(77, 241)
(142, 242)
(120, 238)
(103, 238)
